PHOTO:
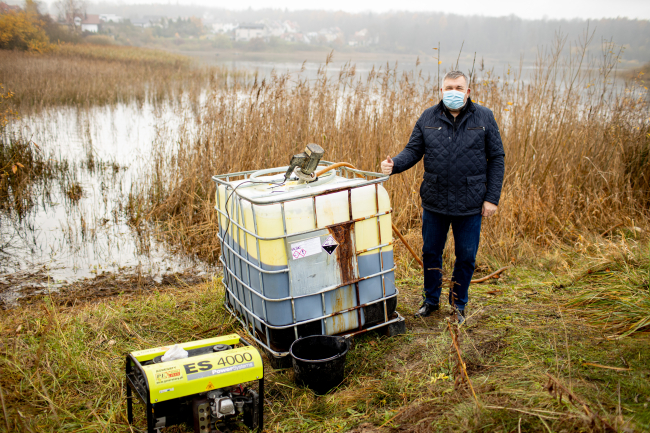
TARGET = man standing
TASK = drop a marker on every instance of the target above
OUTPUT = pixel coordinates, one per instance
(463, 174)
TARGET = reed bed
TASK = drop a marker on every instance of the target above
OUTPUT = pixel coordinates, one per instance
(616, 296)
(577, 147)
(86, 75)
(23, 167)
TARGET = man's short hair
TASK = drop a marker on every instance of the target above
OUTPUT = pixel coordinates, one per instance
(452, 75)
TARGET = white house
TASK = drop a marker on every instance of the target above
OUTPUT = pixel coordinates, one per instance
(223, 27)
(246, 32)
(90, 23)
(291, 27)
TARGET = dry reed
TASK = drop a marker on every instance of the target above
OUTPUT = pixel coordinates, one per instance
(616, 296)
(22, 168)
(577, 146)
(86, 75)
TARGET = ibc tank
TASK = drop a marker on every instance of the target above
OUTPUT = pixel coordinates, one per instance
(306, 259)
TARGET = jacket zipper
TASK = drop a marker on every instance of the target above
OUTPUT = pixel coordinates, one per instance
(476, 127)
(438, 128)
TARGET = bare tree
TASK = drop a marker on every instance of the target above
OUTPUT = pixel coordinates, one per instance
(69, 10)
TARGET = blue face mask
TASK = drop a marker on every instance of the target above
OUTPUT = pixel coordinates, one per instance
(453, 99)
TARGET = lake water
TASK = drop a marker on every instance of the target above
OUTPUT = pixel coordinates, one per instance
(59, 240)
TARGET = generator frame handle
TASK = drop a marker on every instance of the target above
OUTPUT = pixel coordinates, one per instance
(143, 394)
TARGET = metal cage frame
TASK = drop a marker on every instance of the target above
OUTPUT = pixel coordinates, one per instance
(233, 214)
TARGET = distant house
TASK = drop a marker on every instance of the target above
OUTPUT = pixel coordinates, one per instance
(110, 18)
(147, 21)
(90, 23)
(141, 22)
(246, 32)
(295, 37)
(330, 35)
(279, 28)
(4, 7)
(81, 21)
(221, 27)
(274, 28)
(291, 27)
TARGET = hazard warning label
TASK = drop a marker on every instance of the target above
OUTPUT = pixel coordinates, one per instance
(305, 248)
(209, 386)
(330, 245)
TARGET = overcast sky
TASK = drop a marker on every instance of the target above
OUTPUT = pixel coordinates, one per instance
(529, 9)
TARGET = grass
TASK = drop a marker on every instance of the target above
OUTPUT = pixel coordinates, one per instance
(124, 54)
(85, 75)
(616, 296)
(22, 168)
(62, 360)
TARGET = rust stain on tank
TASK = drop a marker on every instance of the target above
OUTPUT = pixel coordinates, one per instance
(342, 233)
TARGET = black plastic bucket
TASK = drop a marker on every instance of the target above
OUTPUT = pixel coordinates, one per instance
(319, 361)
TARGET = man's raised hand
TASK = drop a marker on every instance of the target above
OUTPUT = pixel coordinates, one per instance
(387, 165)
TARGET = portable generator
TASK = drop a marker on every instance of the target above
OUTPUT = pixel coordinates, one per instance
(209, 389)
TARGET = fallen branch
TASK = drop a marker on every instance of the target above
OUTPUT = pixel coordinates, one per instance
(611, 228)
(593, 364)
(556, 389)
(531, 412)
(483, 279)
(393, 417)
(461, 369)
(4, 409)
(492, 275)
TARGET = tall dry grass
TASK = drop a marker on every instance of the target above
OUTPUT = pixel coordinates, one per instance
(86, 75)
(577, 146)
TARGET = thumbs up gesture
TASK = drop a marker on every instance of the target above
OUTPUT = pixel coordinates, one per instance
(387, 165)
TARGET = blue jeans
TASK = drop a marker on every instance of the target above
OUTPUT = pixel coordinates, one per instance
(467, 233)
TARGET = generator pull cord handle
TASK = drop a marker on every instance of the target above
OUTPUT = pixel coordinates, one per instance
(396, 231)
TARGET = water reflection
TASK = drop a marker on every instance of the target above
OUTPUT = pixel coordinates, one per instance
(77, 226)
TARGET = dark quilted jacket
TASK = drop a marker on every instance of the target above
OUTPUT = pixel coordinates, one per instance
(463, 164)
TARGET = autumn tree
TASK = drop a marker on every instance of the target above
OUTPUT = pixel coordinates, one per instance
(23, 30)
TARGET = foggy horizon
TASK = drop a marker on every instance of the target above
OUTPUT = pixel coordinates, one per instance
(549, 10)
